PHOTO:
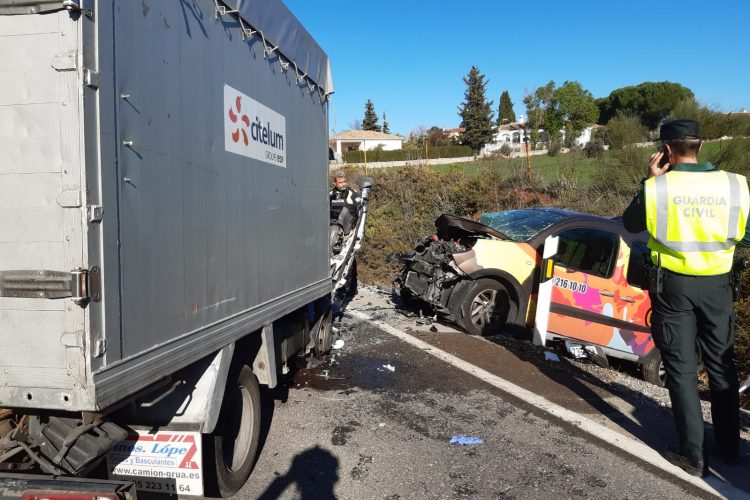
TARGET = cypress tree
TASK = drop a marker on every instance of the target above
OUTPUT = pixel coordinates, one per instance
(386, 130)
(505, 111)
(370, 121)
(476, 112)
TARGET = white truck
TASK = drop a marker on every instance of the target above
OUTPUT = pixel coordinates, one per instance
(163, 237)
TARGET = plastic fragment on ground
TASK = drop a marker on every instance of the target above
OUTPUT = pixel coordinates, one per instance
(338, 344)
(551, 356)
(464, 440)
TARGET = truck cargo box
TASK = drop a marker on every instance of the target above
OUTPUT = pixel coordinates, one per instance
(163, 188)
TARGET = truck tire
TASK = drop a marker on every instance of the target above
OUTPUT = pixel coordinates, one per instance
(323, 334)
(231, 450)
(483, 307)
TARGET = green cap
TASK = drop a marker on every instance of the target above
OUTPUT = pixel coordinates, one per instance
(679, 129)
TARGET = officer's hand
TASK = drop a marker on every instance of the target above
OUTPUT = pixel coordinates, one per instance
(654, 170)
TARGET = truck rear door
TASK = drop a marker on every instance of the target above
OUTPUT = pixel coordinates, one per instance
(41, 195)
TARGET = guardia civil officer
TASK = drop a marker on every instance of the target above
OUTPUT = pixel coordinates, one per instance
(695, 214)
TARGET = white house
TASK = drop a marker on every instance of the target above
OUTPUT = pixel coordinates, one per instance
(586, 135)
(512, 135)
(365, 140)
(454, 133)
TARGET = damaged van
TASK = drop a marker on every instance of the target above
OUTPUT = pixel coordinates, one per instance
(485, 276)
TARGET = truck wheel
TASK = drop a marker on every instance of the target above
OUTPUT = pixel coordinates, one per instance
(323, 334)
(653, 370)
(231, 450)
(484, 307)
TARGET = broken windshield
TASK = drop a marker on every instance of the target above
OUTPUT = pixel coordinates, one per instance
(521, 225)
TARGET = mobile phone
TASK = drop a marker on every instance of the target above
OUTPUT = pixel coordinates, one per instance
(665, 156)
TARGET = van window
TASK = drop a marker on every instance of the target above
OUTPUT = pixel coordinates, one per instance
(590, 251)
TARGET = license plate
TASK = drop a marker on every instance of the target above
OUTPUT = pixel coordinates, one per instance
(577, 351)
(162, 462)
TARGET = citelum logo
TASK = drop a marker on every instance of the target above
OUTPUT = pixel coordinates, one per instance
(258, 131)
(233, 116)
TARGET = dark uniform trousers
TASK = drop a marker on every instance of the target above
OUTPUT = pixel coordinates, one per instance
(690, 309)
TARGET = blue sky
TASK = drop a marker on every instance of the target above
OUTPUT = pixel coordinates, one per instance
(410, 56)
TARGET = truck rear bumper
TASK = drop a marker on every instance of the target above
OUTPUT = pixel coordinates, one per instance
(20, 485)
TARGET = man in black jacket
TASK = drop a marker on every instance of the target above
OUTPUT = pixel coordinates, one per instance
(342, 197)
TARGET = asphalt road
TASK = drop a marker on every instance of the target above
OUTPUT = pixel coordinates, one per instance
(377, 420)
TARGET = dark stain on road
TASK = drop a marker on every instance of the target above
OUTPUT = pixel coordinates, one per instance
(362, 469)
(341, 433)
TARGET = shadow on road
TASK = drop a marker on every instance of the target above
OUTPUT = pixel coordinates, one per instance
(314, 473)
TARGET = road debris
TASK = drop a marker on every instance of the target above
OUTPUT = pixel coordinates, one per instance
(551, 356)
(338, 344)
(464, 440)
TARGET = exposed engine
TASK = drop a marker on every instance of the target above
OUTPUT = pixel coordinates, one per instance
(430, 272)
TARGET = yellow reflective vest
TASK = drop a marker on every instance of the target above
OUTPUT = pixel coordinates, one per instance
(695, 219)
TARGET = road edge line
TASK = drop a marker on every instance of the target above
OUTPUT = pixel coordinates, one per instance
(633, 447)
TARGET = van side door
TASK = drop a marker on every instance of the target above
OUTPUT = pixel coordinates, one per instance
(591, 300)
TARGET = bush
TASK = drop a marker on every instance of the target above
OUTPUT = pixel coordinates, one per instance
(554, 147)
(714, 124)
(625, 167)
(506, 150)
(376, 155)
(594, 148)
(733, 156)
(739, 125)
(624, 130)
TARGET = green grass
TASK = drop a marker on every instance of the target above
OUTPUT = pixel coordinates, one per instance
(548, 168)
(574, 166)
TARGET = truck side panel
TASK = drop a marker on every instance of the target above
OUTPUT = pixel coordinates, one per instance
(214, 244)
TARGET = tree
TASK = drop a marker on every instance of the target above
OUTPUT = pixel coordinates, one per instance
(436, 136)
(541, 110)
(570, 107)
(370, 120)
(650, 101)
(416, 138)
(476, 111)
(505, 111)
(386, 129)
(577, 107)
